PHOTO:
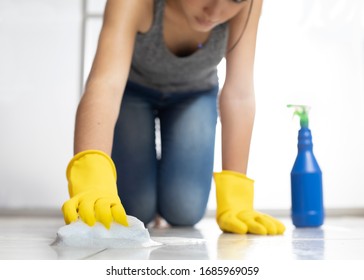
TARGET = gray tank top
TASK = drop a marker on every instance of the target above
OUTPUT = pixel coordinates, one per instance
(155, 66)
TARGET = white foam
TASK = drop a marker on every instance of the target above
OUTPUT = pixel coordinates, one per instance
(79, 234)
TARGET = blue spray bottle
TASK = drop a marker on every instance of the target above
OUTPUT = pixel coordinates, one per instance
(306, 178)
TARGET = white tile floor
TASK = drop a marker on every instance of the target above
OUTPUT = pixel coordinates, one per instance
(341, 238)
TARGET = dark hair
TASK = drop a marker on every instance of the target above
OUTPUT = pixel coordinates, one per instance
(243, 30)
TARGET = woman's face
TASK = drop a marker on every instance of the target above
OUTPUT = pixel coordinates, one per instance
(204, 15)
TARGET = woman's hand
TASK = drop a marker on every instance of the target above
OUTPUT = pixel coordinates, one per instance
(235, 211)
(92, 187)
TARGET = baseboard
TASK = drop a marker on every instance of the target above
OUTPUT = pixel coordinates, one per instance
(329, 212)
(53, 212)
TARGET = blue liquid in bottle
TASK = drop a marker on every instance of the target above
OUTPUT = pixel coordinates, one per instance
(306, 185)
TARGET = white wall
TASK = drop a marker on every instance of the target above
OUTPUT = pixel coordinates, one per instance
(309, 51)
(39, 90)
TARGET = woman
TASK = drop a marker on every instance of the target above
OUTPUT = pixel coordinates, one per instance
(156, 60)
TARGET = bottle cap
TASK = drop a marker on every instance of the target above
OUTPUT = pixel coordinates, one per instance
(302, 112)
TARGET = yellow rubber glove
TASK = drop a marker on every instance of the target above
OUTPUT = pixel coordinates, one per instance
(235, 212)
(92, 187)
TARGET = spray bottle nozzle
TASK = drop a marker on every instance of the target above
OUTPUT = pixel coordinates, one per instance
(302, 112)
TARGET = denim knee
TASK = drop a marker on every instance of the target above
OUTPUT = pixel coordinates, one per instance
(184, 205)
(141, 205)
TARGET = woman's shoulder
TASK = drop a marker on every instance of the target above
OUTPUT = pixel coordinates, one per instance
(140, 11)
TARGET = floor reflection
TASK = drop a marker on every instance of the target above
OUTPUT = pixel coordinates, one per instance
(308, 243)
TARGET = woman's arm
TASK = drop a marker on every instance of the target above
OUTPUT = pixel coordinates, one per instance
(237, 101)
(99, 107)
(235, 191)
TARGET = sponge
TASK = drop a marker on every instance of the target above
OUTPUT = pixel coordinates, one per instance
(78, 234)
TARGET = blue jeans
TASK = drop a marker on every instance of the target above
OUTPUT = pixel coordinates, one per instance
(176, 184)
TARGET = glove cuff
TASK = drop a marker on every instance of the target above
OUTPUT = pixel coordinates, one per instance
(233, 175)
(92, 153)
(233, 188)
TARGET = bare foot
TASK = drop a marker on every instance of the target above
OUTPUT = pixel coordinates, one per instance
(159, 222)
